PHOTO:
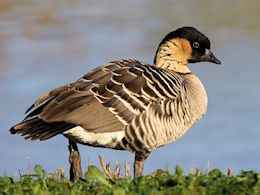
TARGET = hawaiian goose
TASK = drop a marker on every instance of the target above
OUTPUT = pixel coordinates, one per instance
(127, 104)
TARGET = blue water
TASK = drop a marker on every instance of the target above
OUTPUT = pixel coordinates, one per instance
(45, 44)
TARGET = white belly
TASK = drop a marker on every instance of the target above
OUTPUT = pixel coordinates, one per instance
(108, 140)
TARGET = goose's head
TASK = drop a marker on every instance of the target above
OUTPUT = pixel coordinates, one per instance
(182, 46)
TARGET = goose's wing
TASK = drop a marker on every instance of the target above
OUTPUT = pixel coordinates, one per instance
(104, 100)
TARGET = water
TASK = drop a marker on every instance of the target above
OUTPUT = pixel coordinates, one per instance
(44, 44)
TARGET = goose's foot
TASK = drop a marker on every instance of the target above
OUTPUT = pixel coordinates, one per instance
(139, 163)
(75, 162)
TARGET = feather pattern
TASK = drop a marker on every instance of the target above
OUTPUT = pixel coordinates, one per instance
(151, 105)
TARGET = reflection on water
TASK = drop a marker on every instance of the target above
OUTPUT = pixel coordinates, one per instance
(44, 44)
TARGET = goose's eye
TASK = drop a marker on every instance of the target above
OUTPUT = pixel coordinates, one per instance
(196, 44)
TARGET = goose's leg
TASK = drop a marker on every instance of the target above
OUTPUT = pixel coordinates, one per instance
(139, 163)
(75, 162)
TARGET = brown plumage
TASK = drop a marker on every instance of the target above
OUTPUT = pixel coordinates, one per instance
(127, 104)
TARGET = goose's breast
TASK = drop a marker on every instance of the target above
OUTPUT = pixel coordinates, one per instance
(196, 97)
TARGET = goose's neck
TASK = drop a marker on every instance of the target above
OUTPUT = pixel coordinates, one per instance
(174, 55)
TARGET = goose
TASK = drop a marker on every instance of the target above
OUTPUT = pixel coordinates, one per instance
(127, 104)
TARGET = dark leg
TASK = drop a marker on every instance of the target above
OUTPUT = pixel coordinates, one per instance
(139, 163)
(75, 163)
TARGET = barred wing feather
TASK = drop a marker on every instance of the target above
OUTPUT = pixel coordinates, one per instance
(104, 100)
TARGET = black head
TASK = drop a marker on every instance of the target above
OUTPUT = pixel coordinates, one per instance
(199, 43)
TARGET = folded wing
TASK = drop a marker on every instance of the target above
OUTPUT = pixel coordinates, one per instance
(104, 100)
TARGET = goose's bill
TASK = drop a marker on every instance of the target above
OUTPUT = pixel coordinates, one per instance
(209, 57)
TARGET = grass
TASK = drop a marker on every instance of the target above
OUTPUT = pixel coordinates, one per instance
(158, 182)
